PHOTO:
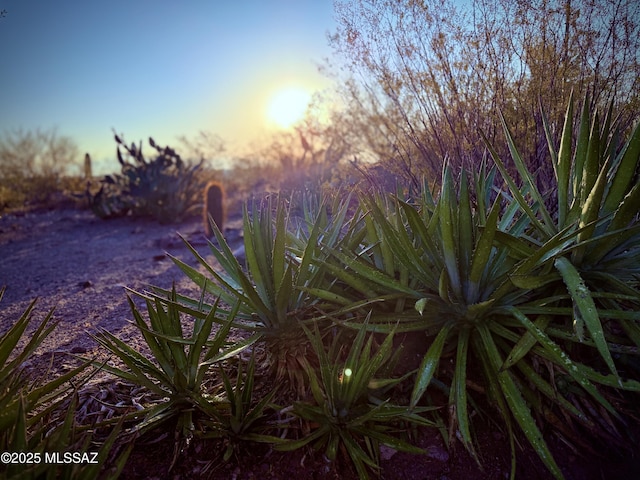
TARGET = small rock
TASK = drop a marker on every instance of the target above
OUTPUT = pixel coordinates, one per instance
(86, 284)
(387, 452)
(232, 234)
(438, 453)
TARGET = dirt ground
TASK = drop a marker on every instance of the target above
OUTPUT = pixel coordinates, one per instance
(80, 264)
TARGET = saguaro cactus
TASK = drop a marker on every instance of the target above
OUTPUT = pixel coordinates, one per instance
(213, 207)
(87, 167)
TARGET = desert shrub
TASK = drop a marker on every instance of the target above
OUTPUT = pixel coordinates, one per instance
(423, 77)
(301, 158)
(33, 166)
(165, 188)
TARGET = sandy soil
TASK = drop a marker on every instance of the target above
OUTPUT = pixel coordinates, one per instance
(80, 265)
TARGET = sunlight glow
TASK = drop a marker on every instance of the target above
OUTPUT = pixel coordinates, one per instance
(345, 375)
(288, 106)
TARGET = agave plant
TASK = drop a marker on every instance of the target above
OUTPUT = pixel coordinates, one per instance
(587, 295)
(279, 290)
(37, 416)
(464, 281)
(348, 410)
(449, 247)
(242, 419)
(346, 230)
(597, 198)
(177, 370)
(546, 253)
(362, 275)
(497, 277)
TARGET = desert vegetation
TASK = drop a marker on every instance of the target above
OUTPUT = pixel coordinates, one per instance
(476, 204)
(165, 188)
(37, 167)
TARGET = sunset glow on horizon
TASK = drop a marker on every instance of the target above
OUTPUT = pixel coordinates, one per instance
(169, 71)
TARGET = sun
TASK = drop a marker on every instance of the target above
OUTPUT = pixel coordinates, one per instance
(287, 106)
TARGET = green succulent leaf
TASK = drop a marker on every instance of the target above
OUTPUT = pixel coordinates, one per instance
(518, 406)
(429, 365)
(586, 308)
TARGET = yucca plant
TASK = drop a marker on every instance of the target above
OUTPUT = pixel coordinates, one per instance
(372, 276)
(350, 412)
(587, 295)
(598, 196)
(60, 433)
(24, 401)
(37, 415)
(463, 276)
(276, 290)
(242, 419)
(498, 279)
(177, 370)
(449, 247)
(362, 275)
(345, 229)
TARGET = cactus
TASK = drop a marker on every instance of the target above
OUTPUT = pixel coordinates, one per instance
(87, 167)
(108, 202)
(213, 208)
(165, 188)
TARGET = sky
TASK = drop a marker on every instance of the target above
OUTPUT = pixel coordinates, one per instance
(156, 67)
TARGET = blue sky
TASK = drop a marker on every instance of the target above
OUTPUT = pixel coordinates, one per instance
(159, 68)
